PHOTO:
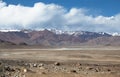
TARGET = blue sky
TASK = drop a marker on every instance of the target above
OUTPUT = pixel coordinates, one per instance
(75, 15)
(104, 7)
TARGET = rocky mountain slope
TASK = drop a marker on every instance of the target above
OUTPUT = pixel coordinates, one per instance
(58, 38)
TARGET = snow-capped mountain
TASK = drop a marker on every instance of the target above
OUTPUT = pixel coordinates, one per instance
(58, 37)
(75, 33)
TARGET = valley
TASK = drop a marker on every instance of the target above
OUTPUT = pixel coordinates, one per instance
(61, 62)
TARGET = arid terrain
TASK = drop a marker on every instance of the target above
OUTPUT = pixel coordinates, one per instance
(60, 62)
(59, 38)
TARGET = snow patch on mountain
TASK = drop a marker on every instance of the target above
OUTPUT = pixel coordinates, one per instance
(10, 30)
(75, 33)
(115, 34)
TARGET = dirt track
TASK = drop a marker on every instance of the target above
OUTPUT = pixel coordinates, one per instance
(80, 62)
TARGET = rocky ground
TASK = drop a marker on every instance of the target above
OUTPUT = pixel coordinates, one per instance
(13, 68)
(83, 66)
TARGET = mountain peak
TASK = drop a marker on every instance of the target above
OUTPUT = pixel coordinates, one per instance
(54, 37)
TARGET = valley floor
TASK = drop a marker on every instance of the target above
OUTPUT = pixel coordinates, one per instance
(60, 62)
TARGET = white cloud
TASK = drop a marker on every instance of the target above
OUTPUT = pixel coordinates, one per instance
(2, 4)
(56, 17)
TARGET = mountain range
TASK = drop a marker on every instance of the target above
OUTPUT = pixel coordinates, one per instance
(57, 38)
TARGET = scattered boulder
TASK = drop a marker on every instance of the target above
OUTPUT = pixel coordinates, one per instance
(108, 70)
(24, 70)
(97, 69)
(78, 64)
(26, 64)
(30, 65)
(42, 68)
(80, 68)
(0, 63)
(8, 68)
(57, 64)
(42, 73)
(96, 64)
(73, 71)
(89, 68)
(34, 65)
(40, 65)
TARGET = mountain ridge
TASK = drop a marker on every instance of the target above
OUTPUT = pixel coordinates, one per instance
(58, 38)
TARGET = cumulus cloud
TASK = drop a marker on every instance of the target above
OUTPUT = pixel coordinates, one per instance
(52, 16)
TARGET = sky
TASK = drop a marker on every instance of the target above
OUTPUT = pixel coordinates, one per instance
(102, 6)
(75, 15)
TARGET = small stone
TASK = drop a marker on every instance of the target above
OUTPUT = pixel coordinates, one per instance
(108, 70)
(73, 71)
(40, 65)
(42, 73)
(24, 70)
(0, 63)
(26, 64)
(8, 68)
(42, 68)
(30, 65)
(57, 63)
(89, 68)
(97, 70)
(78, 64)
(34, 65)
